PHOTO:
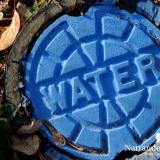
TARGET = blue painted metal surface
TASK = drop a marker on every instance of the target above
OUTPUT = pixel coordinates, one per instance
(95, 78)
(150, 9)
(146, 7)
(102, 2)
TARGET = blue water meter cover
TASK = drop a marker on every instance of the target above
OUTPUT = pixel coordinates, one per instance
(95, 79)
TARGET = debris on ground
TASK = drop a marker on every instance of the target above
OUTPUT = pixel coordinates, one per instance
(8, 35)
(19, 137)
(27, 145)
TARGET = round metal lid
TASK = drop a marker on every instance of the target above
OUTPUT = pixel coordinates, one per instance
(95, 78)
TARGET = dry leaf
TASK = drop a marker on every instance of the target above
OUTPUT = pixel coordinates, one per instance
(157, 1)
(30, 129)
(8, 36)
(28, 146)
(3, 5)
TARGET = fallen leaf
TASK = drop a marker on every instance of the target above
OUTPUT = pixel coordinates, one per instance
(8, 36)
(30, 129)
(3, 5)
(28, 146)
(157, 1)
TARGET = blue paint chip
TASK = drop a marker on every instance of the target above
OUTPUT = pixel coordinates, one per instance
(95, 78)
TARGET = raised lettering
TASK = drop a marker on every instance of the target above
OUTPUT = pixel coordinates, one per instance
(79, 91)
(121, 78)
(96, 83)
(146, 63)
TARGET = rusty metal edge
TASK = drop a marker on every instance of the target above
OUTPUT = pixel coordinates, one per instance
(48, 14)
